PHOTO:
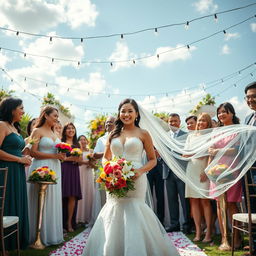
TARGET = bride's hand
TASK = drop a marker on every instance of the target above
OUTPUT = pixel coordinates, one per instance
(138, 173)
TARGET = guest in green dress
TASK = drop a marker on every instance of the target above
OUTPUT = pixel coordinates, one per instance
(11, 146)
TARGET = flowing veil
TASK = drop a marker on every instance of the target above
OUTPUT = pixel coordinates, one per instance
(225, 168)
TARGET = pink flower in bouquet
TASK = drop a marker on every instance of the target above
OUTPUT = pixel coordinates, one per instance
(117, 177)
(43, 174)
(63, 147)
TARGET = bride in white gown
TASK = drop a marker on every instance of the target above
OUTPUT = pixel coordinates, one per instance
(127, 226)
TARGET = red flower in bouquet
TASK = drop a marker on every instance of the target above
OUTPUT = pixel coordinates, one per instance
(63, 147)
(43, 173)
(117, 177)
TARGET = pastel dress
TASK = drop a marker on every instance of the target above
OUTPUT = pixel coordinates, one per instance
(194, 169)
(234, 193)
(52, 229)
(128, 226)
(16, 203)
(84, 210)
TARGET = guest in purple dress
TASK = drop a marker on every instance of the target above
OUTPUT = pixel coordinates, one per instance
(71, 188)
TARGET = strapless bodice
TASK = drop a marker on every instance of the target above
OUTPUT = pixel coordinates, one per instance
(47, 145)
(131, 150)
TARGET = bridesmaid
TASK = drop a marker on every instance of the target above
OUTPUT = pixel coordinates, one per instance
(71, 187)
(11, 145)
(45, 154)
(84, 210)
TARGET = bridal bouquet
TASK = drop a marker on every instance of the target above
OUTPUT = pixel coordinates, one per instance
(116, 177)
(76, 152)
(43, 173)
(63, 147)
(215, 172)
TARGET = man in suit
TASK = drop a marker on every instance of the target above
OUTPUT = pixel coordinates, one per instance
(155, 181)
(175, 186)
(250, 97)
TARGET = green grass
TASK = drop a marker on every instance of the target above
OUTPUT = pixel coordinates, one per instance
(210, 250)
(47, 250)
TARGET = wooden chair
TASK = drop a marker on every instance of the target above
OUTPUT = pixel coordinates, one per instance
(7, 221)
(246, 222)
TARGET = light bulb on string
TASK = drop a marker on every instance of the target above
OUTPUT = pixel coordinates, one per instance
(215, 17)
(239, 72)
(111, 64)
(17, 33)
(156, 31)
(81, 40)
(46, 85)
(52, 60)
(133, 61)
(25, 55)
(50, 41)
(122, 36)
(188, 47)
(157, 56)
(78, 63)
(25, 79)
(187, 25)
(251, 74)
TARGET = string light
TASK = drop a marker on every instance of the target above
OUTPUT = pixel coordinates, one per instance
(157, 56)
(215, 17)
(139, 58)
(17, 33)
(187, 25)
(134, 32)
(81, 40)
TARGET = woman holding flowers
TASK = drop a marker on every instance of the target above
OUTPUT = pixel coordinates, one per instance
(71, 187)
(11, 156)
(227, 116)
(84, 209)
(126, 225)
(44, 153)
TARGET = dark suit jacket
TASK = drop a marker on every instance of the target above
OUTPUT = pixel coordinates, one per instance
(166, 169)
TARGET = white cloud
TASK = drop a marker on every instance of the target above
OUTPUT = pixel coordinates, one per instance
(64, 49)
(79, 12)
(121, 53)
(79, 88)
(205, 6)
(3, 60)
(171, 55)
(229, 36)
(253, 27)
(31, 16)
(37, 16)
(225, 50)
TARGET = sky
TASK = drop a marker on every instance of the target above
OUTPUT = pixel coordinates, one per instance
(164, 69)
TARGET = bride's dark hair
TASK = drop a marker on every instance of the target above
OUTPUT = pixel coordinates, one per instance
(119, 124)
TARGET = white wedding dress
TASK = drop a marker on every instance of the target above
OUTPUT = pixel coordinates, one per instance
(127, 226)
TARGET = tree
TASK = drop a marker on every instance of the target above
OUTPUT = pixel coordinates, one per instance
(4, 94)
(24, 123)
(207, 100)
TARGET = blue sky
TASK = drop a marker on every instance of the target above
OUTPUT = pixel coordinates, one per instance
(174, 83)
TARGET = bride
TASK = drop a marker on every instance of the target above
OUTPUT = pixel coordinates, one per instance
(127, 226)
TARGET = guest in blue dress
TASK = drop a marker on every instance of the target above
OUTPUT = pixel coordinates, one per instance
(71, 187)
(11, 146)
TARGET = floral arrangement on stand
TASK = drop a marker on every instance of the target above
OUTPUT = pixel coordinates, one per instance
(117, 177)
(43, 173)
(208, 100)
(97, 129)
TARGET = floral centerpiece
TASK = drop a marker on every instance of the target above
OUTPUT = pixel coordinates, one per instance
(63, 147)
(43, 173)
(76, 152)
(117, 177)
(215, 173)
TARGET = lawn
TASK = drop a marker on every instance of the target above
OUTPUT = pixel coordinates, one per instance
(210, 250)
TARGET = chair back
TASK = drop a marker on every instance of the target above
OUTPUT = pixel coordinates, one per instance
(250, 189)
(3, 182)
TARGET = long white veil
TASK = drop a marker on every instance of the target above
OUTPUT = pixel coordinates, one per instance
(236, 152)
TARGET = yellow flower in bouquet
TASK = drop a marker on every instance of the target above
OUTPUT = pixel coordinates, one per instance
(43, 173)
(215, 174)
(76, 152)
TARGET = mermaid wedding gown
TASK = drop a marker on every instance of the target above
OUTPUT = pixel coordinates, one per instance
(127, 226)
